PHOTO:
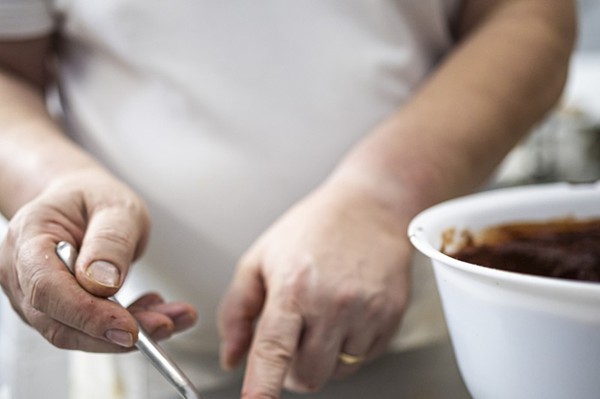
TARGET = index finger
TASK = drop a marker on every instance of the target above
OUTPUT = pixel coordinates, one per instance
(275, 342)
(51, 289)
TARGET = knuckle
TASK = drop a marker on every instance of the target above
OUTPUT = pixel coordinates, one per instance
(298, 278)
(39, 294)
(114, 236)
(58, 336)
(378, 308)
(4, 272)
(295, 288)
(132, 204)
(136, 207)
(123, 205)
(84, 316)
(396, 312)
(347, 297)
(144, 214)
(272, 351)
(12, 233)
(43, 298)
(385, 310)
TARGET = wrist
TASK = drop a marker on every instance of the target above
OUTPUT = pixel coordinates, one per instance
(382, 190)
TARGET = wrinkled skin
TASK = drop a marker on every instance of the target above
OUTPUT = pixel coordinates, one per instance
(108, 222)
(330, 276)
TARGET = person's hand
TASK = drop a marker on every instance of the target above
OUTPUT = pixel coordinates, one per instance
(329, 278)
(109, 225)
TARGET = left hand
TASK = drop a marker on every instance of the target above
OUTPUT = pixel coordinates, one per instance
(330, 277)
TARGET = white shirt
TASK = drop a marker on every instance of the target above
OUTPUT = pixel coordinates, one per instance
(222, 114)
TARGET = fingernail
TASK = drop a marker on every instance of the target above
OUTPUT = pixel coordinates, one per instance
(120, 337)
(104, 273)
(184, 321)
(161, 333)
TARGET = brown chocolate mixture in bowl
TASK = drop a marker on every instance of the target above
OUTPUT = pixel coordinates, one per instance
(562, 248)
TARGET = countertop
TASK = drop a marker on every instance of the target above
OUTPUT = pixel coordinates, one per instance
(425, 373)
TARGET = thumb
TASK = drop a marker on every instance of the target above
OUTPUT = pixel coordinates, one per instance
(239, 308)
(114, 237)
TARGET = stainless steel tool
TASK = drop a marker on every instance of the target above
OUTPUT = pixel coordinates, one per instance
(155, 354)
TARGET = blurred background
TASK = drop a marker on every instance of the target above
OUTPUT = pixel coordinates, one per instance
(566, 145)
(563, 147)
(589, 39)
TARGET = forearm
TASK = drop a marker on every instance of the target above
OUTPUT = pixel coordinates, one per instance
(504, 76)
(33, 150)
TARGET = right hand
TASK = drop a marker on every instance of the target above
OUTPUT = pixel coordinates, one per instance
(109, 225)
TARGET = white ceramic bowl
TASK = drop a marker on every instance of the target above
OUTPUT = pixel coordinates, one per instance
(515, 335)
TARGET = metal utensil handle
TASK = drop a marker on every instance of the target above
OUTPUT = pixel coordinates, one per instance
(163, 363)
(153, 352)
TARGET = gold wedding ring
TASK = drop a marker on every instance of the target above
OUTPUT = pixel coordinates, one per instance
(350, 360)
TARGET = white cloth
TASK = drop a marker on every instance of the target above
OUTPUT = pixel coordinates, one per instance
(25, 18)
(222, 114)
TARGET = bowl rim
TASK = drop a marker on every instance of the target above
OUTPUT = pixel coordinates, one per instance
(418, 238)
